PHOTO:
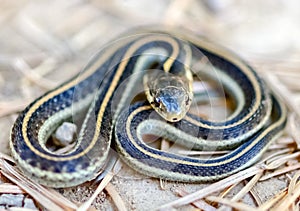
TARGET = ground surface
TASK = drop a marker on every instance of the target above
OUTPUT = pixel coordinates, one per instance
(45, 43)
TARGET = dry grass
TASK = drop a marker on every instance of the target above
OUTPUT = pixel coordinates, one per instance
(44, 43)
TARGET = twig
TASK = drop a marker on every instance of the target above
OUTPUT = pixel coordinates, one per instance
(7, 108)
(201, 204)
(32, 76)
(271, 202)
(217, 186)
(290, 198)
(280, 171)
(230, 203)
(227, 190)
(39, 193)
(293, 125)
(282, 91)
(256, 197)
(115, 197)
(281, 160)
(247, 187)
(10, 188)
(107, 178)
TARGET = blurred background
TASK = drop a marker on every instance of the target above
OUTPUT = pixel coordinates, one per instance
(43, 43)
(54, 39)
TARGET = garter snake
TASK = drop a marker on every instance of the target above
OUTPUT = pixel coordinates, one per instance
(95, 89)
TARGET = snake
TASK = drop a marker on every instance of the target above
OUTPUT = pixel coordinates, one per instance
(162, 62)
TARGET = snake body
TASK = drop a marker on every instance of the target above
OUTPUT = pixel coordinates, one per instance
(96, 88)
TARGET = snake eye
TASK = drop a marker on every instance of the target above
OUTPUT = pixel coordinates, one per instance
(156, 102)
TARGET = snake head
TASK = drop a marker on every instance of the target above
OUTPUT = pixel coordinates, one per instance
(170, 95)
(172, 103)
